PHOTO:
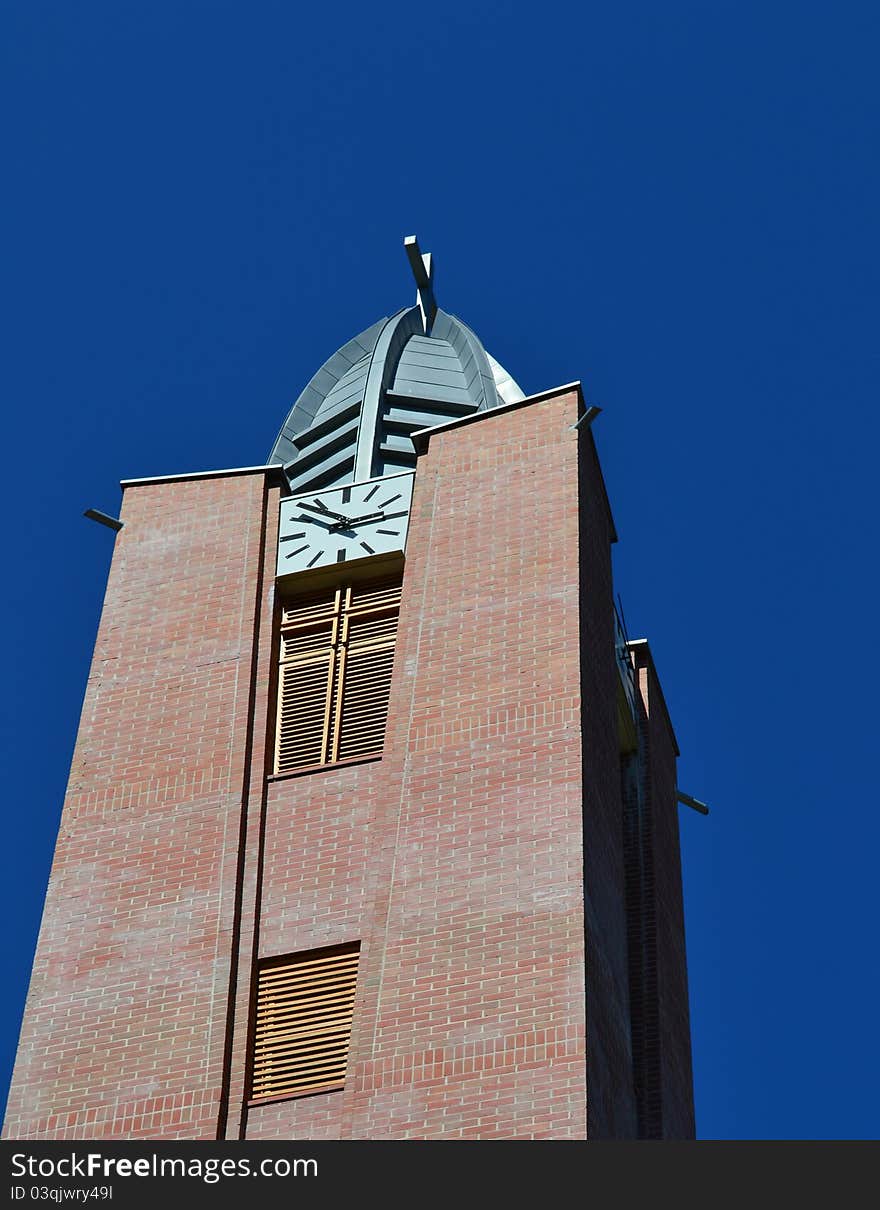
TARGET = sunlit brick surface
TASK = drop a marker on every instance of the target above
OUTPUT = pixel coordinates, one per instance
(124, 1028)
(480, 862)
(458, 857)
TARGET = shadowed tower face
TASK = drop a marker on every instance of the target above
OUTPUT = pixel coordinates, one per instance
(371, 827)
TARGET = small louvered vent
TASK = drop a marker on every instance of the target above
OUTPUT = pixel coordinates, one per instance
(305, 1004)
(337, 651)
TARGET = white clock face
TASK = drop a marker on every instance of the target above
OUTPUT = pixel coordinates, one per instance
(337, 524)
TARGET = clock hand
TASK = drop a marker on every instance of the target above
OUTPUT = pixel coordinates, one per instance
(371, 517)
(322, 510)
(347, 522)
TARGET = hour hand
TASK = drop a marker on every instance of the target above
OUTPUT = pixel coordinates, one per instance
(347, 522)
(322, 510)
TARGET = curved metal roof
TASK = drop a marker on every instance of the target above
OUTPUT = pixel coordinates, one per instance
(417, 368)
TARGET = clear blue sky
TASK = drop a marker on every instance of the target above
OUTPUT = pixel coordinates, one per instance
(676, 203)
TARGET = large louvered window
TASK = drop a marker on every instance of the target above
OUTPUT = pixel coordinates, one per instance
(303, 1024)
(337, 648)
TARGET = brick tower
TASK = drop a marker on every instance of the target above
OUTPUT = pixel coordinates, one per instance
(371, 827)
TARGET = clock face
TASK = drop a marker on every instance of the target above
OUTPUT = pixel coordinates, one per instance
(338, 524)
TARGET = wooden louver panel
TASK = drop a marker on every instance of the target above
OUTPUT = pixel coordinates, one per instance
(303, 1022)
(337, 651)
(365, 702)
(304, 691)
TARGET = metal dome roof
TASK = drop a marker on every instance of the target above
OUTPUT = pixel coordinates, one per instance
(418, 368)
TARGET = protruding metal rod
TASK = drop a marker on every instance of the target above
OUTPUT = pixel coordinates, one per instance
(95, 514)
(422, 265)
(693, 803)
(588, 417)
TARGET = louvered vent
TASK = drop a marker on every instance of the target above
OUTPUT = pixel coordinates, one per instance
(305, 1004)
(337, 651)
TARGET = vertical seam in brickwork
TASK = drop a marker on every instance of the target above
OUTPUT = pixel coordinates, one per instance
(406, 766)
(253, 834)
(229, 1019)
(225, 840)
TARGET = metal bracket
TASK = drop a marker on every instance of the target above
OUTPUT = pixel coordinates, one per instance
(95, 514)
(693, 803)
(588, 417)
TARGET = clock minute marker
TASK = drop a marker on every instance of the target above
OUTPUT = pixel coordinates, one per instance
(298, 551)
(390, 500)
(312, 562)
(367, 548)
(290, 537)
(371, 492)
(391, 516)
(394, 533)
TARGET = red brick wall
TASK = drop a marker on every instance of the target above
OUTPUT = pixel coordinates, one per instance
(315, 891)
(457, 859)
(124, 1030)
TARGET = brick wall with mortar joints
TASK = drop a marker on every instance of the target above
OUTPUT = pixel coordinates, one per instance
(482, 769)
(457, 858)
(124, 1022)
(259, 748)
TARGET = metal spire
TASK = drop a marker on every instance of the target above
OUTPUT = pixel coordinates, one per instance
(422, 265)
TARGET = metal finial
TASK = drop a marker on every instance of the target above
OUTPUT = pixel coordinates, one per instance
(422, 265)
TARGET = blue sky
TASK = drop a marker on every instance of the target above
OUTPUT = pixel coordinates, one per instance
(676, 204)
